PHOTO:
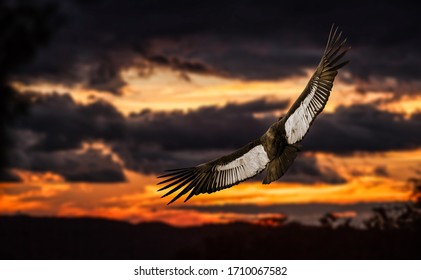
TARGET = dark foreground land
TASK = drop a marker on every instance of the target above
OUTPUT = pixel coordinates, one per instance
(23, 237)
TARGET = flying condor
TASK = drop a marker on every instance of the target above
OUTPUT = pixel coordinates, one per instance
(275, 150)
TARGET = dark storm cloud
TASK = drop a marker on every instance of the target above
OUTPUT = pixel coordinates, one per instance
(64, 124)
(50, 135)
(8, 176)
(364, 128)
(307, 171)
(160, 141)
(149, 142)
(48, 138)
(358, 128)
(253, 40)
(184, 67)
(23, 29)
(89, 166)
(165, 140)
(75, 166)
(177, 139)
(208, 127)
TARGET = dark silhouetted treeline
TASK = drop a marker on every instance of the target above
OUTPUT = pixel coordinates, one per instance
(23, 237)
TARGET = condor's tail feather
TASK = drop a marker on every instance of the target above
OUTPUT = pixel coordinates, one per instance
(279, 165)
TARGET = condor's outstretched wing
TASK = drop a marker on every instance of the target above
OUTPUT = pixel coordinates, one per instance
(218, 174)
(314, 97)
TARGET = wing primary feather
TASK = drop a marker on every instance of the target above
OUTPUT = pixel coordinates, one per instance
(336, 59)
(181, 185)
(204, 187)
(194, 191)
(335, 40)
(176, 188)
(178, 195)
(335, 56)
(199, 184)
(177, 176)
(340, 65)
(193, 184)
(177, 180)
(331, 36)
(187, 177)
(176, 169)
(207, 183)
(212, 181)
(335, 51)
(184, 191)
(189, 196)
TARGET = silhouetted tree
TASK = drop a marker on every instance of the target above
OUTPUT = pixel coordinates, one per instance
(327, 220)
(407, 216)
(416, 192)
(331, 220)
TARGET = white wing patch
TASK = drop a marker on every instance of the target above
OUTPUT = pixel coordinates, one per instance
(244, 167)
(299, 122)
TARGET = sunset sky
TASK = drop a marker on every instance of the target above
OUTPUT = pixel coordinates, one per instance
(124, 90)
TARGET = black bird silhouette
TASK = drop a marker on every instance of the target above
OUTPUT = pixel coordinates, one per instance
(277, 148)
